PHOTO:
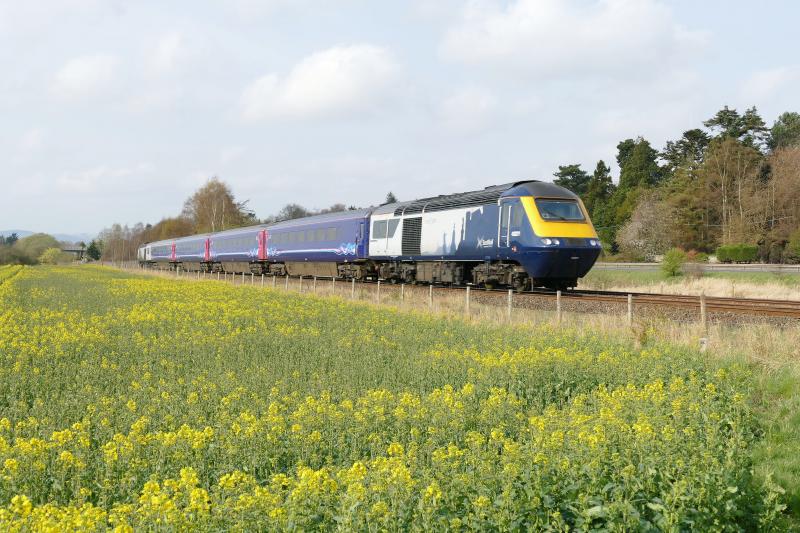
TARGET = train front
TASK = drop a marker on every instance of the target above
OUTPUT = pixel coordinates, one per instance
(546, 229)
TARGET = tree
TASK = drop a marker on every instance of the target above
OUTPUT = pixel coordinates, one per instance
(572, 177)
(748, 128)
(51, 256)
(731, 173)
(32, 247)
(290, 212)
(599, 189)
(11, 239)
(390, 198)
(94, 250)
(785, 133)
(624, 149)
(213, 208)
(639, 168)
(650, 229)
(686, 152)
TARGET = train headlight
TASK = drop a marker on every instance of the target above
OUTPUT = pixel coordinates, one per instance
(556, 242)
(593, 242)
(547, 242)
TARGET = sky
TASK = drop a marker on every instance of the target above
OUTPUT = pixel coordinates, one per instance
(116, 111)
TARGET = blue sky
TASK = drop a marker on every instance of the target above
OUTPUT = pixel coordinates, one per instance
(116, 111)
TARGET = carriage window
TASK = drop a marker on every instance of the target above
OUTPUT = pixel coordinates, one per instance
(319, 235)
(379, 229)
(330, 234)
(301, 236)
(393, 223)
(310, 235)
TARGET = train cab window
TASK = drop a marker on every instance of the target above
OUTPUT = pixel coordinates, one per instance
(517, 216)
(379, 229)
(392, 228)
(559, 210)
(330, 234)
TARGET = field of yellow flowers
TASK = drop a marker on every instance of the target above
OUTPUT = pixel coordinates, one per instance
(142, 403)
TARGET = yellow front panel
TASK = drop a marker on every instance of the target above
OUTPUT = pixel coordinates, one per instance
(545, 228)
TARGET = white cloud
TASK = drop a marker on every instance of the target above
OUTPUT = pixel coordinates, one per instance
(333, 82)
(31, 140)
(231, 153)
(555, 38)
(167, 53)
(100, 177)
(468, 109)
(85, 76)
(766, 83)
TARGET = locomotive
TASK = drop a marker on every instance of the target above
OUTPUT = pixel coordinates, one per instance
(523, 234)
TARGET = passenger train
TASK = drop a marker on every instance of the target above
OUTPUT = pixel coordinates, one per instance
(522, 235)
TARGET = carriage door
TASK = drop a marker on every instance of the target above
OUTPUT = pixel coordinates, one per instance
(207, 250)
(262, 244)
(361, 239)
(504, 223)
(511, 219)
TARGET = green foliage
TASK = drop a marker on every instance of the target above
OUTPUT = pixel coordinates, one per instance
(27, 251)
(10, 240)
(639, 168)
(737, 253)
(390, 198)
(51, 256)
(94, 250)
(793, 247)
(673, 262)
(785, 132)
(572, 177)
(688, 151)
(748, 128)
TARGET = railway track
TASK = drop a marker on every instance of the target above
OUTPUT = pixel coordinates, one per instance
(713, 304)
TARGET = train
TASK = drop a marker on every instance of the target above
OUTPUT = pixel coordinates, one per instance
(520, 235)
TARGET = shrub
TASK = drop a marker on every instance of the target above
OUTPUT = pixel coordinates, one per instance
(737, 253)
(792, 251)
(51, 256)
(693, 256)
(673, 261)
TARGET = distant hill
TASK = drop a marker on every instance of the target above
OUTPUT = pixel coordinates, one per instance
(64, 237)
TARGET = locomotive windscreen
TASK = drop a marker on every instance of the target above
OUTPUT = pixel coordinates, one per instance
(551, 210)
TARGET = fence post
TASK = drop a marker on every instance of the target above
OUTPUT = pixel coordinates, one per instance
(466, 302)
(630, 309)
(378, 292)
(262, 281)
(287, 282)
(402, 292)
(558, 307)
(333, 285)
(703, 314)
(242, 278)
(510, 303)
(314, 289)
(353, 289)
(217, 275)
(274, 281)
(430, 296)
(300, 290)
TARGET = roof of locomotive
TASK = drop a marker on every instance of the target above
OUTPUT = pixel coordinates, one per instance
(489, 195)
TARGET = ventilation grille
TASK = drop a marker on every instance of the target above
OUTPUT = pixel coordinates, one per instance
(412, 235)
(453, 201)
